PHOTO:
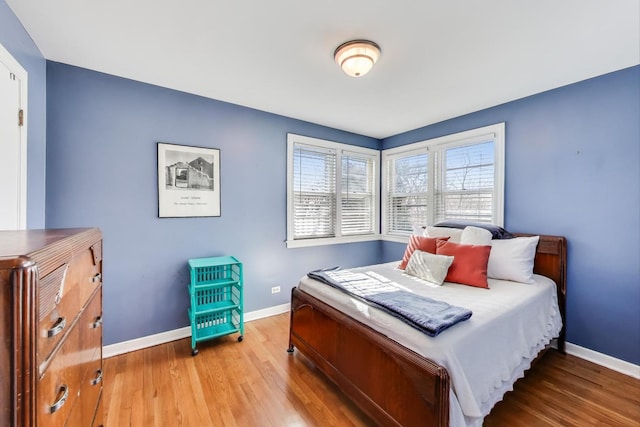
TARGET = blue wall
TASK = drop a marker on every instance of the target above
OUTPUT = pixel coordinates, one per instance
(16, 40)
(102, 171)
(573, 169)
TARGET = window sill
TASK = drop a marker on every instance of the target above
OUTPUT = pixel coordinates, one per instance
(305, 243)
(398, 238)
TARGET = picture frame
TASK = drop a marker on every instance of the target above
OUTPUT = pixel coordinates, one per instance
(188, 181)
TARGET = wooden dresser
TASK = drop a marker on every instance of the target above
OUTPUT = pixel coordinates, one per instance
(51, 328)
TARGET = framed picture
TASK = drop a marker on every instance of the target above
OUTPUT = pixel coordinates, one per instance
(188, 181)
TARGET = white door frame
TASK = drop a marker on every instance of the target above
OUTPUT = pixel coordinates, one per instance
(14, 66)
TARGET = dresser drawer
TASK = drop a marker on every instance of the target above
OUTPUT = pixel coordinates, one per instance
(75, 370)
(62, 294)
(89, 394)
(59, 385)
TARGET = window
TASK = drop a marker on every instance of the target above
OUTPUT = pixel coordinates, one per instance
(455, 177)
(332, 194)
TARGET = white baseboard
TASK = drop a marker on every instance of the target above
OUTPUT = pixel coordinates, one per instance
(266, 312)
(603, 360)
(177, 334)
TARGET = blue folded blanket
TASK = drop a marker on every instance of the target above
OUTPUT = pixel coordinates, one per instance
(425, 314)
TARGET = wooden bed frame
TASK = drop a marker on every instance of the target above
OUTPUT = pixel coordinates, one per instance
(392, 384)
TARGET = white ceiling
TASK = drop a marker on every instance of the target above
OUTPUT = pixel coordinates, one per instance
(440, 59)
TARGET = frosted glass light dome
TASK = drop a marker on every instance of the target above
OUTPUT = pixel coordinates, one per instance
(356, 58)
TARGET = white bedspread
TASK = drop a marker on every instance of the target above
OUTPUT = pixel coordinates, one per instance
(484, 355)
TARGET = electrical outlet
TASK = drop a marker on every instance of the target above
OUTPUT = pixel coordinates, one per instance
(275, 289)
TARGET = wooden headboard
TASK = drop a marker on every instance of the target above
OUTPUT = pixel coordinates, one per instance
(551, 261)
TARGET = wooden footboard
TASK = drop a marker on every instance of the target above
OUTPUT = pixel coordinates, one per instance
(392, 384)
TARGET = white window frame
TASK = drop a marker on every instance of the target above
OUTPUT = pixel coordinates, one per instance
(431, 146)
(339, 149)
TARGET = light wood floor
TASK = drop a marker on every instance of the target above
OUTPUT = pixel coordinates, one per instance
(257, 383)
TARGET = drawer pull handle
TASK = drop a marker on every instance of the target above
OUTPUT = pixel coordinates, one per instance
(64, 390)
(96, 278)
(57, 327)
(97, 323)
(98, 379)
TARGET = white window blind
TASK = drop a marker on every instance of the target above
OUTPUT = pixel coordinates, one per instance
(407, 198)
(467, 189)
(358, 194)
(333, 192)
(456, 177)
(314, 192)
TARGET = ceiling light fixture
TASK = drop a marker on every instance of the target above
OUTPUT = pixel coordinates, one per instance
(356, 58)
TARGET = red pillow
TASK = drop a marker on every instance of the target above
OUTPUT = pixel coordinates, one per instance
(425, 244)
(469, 265)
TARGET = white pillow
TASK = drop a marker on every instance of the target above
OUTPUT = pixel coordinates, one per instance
(475, 236)
(453, 233)
(430, 267)
(512, 259)
(418, 230)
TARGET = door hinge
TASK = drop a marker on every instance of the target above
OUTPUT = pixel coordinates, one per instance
(20, 117)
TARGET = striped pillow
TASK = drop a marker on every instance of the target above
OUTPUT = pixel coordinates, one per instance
(430, 267)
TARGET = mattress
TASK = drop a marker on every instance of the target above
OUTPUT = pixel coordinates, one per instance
(511, 323)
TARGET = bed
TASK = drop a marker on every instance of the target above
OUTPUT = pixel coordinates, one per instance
(398, 382)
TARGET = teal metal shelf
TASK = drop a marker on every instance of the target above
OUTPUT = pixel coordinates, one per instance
(210, 325)
(215, 308)
(217, 283)
(217, 300)
(216, 270)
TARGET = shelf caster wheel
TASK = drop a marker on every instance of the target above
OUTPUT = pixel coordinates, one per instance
(194, 351)
(240, 338)
(290, 349)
